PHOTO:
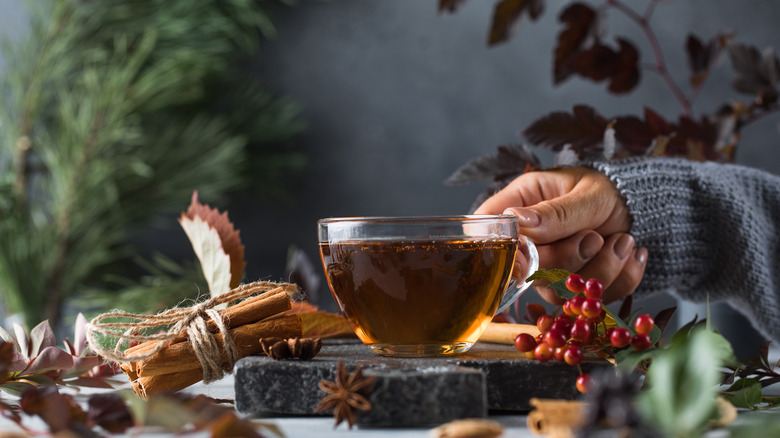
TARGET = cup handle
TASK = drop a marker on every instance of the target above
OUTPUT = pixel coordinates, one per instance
(527, 248)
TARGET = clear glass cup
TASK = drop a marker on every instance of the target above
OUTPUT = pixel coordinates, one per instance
(424, 286)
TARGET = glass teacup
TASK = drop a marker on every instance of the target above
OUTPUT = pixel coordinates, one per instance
(423, 286)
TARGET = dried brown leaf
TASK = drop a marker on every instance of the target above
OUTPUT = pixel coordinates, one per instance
(625, 75)
(579, 20)
(757, 71)
(109, 411)
(230, 238)
(701, 57)
(325, 325)
(509, 161)
(583, 129)
(506, 17)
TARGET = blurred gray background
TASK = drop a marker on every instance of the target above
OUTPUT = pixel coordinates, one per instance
(398, 96)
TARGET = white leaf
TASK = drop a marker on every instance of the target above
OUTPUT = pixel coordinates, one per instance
(208, 247)
(566, 157)
(609, 142)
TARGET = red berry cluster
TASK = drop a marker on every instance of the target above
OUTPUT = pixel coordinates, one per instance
(579, 326)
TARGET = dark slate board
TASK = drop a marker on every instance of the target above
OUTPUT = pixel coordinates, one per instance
(409, 391)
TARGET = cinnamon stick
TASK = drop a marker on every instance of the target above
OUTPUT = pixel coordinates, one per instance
(555, 418)
(251, 310)
(146, 387)
(179, 357)
(504, 333)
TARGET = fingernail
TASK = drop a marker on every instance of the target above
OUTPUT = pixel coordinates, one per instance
(623, 246)
(590, 245)
(641, 255)
(528, 218)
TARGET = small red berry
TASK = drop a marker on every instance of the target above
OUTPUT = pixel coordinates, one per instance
(620, 337)
(580, 330)
(583, 383)
(573, 355)
(555, 338)
(641, 342)
(563, 325)
(592, 307)
(644, 324)
(594, 288)
(543, 352)
(575, 283)
(525, 342)
(576, 304)
(560, 352)
(544, 323)
(567, 309)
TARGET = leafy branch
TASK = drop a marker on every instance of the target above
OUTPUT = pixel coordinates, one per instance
(582, 49)
(31, 360)
(113, 112)
(120, 412)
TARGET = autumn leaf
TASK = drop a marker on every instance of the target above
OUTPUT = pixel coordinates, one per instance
(583, 129)
(757, 71)
(213, 259)
(580, 20)
(325, 325)
(506, 16)
(702, 56)
(510, 160)
(625, 75)
(216, 243)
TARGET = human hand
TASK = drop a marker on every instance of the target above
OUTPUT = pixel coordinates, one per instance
(579, 222)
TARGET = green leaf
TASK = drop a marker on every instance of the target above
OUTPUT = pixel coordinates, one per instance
(683, 381)
(15, 388)
(742, 383)
(755, 424)
(551, 275)
(748, 397)
(628, 359)
(561, 290)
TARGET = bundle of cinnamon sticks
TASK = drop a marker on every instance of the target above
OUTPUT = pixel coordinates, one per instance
(176, 366)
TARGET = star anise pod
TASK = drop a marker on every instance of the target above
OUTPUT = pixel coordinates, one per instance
(293, 348)
(347, 393)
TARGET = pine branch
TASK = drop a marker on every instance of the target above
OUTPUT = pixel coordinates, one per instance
(115, 98)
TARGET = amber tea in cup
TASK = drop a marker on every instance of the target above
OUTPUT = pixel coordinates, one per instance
(422, 286)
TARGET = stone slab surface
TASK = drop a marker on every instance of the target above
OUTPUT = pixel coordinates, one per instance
(409, 391)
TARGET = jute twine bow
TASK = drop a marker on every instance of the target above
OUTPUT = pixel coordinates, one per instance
(189, 320)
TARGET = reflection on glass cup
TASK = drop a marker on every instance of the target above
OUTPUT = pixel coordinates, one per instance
(423, 286)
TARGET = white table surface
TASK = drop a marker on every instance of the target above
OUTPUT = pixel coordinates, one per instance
(295, 427)
(292, 427)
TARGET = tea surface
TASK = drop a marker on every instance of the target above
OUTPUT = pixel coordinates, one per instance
(418, 292)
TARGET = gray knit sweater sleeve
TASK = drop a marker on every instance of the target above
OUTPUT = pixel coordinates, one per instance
(710, 229)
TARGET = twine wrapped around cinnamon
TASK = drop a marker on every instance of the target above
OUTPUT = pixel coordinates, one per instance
(202, 343)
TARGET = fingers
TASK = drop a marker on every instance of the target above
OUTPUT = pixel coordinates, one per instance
(592, 204)
(618, 265)
(553, 205)
(570, 254)
(614, 261)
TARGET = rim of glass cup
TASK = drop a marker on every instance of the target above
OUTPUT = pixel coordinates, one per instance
(409, 227)
(432, 218)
